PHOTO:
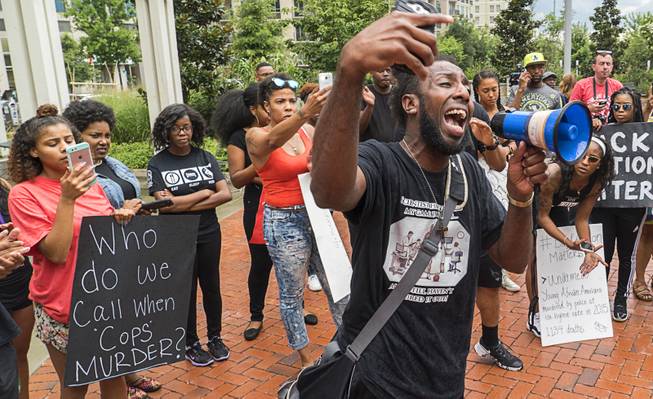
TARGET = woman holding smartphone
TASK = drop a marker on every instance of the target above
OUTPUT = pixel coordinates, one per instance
(622, 225)
(280, 152)
(48, 205)
(95, 122)
(191, 178)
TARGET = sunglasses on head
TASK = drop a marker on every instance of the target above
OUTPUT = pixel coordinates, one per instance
(625, 107)
(283, 83)
(603, 52)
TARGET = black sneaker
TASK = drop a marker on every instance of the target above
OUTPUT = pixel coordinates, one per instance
(218, 349)
(198, 356)
(533, 323)
(501, 355)
(620, 310)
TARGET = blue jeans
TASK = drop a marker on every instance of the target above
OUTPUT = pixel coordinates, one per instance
(292, 247)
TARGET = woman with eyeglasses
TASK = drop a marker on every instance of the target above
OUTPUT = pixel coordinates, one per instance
(622, 224)
(280, 152)
(191, 178)
(567, 199)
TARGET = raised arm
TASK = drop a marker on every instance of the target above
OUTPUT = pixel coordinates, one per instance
(394, 39)
(545, 203)
(261, 141)
(366, 113)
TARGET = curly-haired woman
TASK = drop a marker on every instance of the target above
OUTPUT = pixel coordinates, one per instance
(48, 205)
(191, 178)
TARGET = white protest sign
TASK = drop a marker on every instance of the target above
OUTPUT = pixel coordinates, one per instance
(572, 307)
(332, 251)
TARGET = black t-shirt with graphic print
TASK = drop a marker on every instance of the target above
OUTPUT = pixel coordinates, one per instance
(421, 351)
(183, 175)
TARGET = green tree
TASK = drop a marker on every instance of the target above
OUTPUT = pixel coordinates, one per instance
(514, 28)
(328, 24)
(257, 34)
(638, 51)
(202, 45)
(606, 22)
(449, 45)
(78, 69)
(107, 38)
(479, 45)
(549, 42)
(581, 51)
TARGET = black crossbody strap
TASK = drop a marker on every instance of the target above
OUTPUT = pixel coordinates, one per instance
(427, 250)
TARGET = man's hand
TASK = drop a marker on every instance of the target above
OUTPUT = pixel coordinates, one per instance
(596, 106)
(524, 79)
(526, 168)
(368, 97)
(393, 39)
(482, 131)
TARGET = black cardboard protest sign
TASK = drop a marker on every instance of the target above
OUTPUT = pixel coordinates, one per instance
(631, 145)
(130, 296)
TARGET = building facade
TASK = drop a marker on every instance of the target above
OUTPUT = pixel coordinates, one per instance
(485, 11)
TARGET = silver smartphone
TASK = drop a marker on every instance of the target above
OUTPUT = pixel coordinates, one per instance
(325, 79)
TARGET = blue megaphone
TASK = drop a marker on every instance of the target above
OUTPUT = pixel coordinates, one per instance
(566, 132)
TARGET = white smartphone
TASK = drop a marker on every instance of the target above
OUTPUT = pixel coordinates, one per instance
(325, 79)
(78, 153)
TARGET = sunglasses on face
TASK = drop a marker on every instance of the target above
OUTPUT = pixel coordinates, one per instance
(625, 107)
(283, 83)
(592, 158)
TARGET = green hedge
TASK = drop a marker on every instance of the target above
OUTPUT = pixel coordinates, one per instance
(132, 117)
(136, 155)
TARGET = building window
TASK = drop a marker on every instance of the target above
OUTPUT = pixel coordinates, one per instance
(64, 26)
(60, 5)
(478, 9)
(277, 9)
(299, 34)
(5, 45)
(7, 60)
(478, 21)
(298, 8)
(2, 25)
(491, 7)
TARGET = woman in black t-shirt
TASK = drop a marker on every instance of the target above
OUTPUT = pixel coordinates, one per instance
(14, 291)
(236, 111)
(191, 178)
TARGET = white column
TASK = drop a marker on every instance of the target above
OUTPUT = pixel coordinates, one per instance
(158, 37)
(567, 38)
(36, 54)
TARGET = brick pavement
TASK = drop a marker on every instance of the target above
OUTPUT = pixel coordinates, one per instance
(618, 367)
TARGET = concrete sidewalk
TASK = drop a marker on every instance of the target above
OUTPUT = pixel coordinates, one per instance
(619, 367)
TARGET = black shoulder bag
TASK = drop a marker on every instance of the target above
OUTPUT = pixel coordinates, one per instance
(330, 376)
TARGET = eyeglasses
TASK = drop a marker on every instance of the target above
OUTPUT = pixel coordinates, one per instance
(625, 107)
(185, 129)
(282, 83)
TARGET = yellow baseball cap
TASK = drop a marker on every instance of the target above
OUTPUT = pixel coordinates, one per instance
(534, 58)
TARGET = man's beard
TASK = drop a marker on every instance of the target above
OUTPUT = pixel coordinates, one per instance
(432, 135)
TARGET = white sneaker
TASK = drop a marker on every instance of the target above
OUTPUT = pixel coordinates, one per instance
(507, 283)
(314, 283)
(533, 323)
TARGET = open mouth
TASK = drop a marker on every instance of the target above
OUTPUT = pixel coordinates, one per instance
(455, 120)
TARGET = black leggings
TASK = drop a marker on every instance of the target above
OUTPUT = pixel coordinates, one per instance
(261, 264)
(207, 270)
(624, 225)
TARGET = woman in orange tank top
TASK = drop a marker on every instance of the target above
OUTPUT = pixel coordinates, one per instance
(280, 152)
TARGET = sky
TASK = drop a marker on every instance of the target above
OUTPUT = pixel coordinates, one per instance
(582, 9)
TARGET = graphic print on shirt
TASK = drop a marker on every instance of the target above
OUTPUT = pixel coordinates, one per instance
(191, 176)
(445, 270)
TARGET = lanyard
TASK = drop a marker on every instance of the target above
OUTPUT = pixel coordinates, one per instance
(594, 88)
